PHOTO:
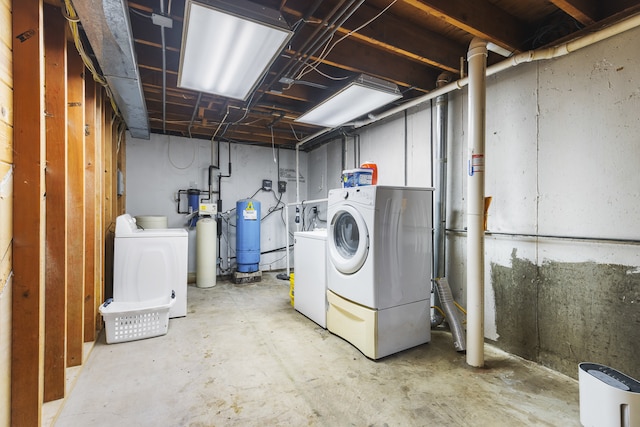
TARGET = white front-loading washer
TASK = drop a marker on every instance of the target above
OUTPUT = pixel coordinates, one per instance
(379, 244)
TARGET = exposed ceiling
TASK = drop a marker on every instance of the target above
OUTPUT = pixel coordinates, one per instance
(408, 42)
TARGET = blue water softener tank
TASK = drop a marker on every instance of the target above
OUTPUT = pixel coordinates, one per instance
(248, 235)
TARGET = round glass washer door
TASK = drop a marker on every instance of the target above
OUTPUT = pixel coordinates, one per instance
(348, 240)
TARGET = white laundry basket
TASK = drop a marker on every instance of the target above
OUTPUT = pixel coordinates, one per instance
(129, 321)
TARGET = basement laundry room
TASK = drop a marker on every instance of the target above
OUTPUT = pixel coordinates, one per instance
(380, 212)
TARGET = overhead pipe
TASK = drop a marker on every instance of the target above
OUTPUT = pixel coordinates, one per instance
(477, 60)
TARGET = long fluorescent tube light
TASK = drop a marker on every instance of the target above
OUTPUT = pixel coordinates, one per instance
(228, 46)
(359, 97)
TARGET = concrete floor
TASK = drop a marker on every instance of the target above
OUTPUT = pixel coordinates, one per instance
(244, 356)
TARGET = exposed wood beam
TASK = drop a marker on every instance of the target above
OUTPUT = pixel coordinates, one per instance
(403, 39)
(91, 207)
(583, 11)
(402, 73)
(479, 18)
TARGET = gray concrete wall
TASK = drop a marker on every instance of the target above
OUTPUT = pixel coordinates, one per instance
(562, 151)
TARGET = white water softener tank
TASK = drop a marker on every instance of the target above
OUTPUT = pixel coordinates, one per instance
(608, 398)
(206, 267)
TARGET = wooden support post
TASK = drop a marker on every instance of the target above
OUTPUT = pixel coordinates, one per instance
(56, 225)
(75, 208)
(27, 332)
(6, 208)
(108, 202)
(99, 197)
(90, 211)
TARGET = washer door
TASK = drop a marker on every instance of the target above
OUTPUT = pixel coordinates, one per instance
(348, 240)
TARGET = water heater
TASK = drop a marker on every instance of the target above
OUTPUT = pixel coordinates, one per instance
(248, 235)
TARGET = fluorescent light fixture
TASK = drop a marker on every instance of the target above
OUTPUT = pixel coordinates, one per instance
(359, 97)
(228, 46)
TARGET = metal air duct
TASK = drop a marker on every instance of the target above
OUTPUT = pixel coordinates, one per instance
(108, 29)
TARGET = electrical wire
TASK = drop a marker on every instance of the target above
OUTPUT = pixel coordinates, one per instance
(275, 260)
(72, 17)
(137, 12)
(439, 311)
(460, 307)
(193, 159)
(294, 133)
(313, 67)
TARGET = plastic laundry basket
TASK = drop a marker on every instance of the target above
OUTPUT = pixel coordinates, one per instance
(129, 321)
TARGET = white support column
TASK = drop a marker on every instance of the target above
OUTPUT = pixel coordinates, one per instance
(477, 59)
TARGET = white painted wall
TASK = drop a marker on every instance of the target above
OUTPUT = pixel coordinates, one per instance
(159, 167)
(385, 145)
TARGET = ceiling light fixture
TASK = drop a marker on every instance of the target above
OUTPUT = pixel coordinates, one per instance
(228, 46)
(359, 97)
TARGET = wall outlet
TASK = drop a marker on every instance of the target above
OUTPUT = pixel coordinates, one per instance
(266, 185)
(282, 186)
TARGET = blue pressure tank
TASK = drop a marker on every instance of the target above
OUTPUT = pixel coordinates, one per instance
(248, 235)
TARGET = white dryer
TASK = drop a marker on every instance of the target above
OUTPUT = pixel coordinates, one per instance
(379, 244)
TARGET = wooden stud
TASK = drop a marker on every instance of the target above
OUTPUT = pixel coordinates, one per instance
(56, 226)
(27, 330)
(99, 197)
(90, 211)
(75, 207)
(108, 202)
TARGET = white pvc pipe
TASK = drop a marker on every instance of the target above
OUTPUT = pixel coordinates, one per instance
(477, 59)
